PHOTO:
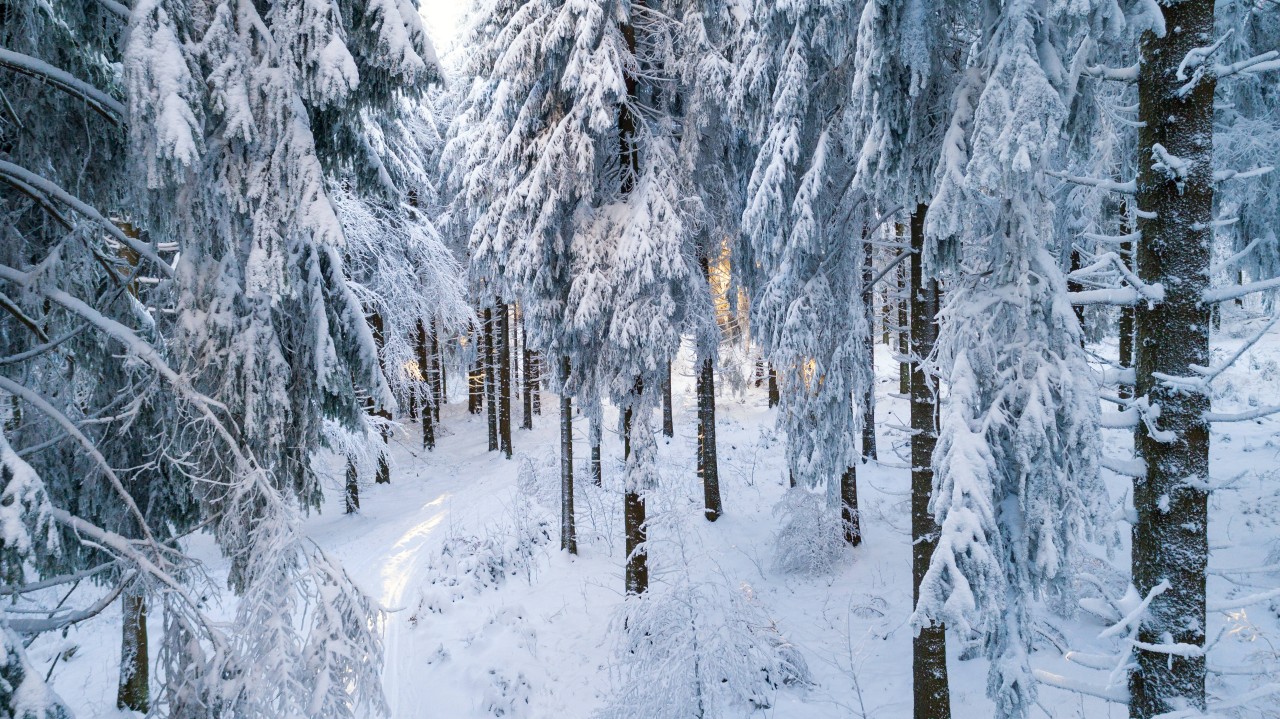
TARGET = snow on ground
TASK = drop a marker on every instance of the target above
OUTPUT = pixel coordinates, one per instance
(486, 617)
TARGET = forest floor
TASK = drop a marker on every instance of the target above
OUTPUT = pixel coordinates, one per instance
(486, 617)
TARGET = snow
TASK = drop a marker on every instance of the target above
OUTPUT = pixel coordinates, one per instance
(485, 617)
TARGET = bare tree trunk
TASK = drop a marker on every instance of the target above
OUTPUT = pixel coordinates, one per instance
(504, 379)
(849, 507)
(384, 466)
(597, 462)
(868, 403)
(529, 377)
(637, 575)
(1074, 286)
(490, 379)
(774, 396)
(708, 463)
(1175, 193)
(904, 332)
(668, 416)
(427, 411)
(475, 379)
(351, 496)
(535, 381)
(439, 394)
(568, 536)
(1127, 313)
(134, 690)
(929, 648)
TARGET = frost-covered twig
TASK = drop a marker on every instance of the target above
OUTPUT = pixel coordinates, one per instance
(101, 102)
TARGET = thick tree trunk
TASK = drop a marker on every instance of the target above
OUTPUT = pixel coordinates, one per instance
(668, 415)
(568, 536)
(504, 379)
(427, 410)
(351, 495)
(529, 377)
(133, 691)
(1074, 286)
(929, 648)
(490, 379)
(708, 462)
(1127, 313)
(1175, 195)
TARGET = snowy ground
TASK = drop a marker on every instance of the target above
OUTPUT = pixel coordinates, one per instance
(488, 618)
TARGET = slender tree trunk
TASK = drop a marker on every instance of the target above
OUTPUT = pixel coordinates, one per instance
(490, 379)
(1074, 286)
(868, 403)
(439, 394)
(929, 648)
(597, 462)
(529, 377)
(535, 382)
(708, 463)
(475, 379)
(134, 690)
(668, 416)
(384, 465)
(1175, 193)
(904, 332)
(504, 379)
(1127, 313)
(351, 496)
(637, 575)
(427, 411)
(774, 396)
(568, 536)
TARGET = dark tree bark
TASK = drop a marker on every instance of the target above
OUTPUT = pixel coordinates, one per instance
(1170, 534)
(668, 415)
(929, 648)
(597, 462)
(134, 690)
(849, 507)
(490, 379)
(1127, 313)
(535, 382)
(633, 510)
(708, 463)
(868, 403)
(1074, 286)
(384, 465)
(529, 377)
(426, 411)
(904, 331)
(351, 495)
(774, 397)
(475, 381)
(568, 536)
(439, 394)
(504, 378)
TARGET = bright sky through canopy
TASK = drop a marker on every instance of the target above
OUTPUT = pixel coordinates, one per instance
(444, 20)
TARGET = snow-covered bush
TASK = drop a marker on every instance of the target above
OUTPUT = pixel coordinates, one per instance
(698, 649)
(811, 540)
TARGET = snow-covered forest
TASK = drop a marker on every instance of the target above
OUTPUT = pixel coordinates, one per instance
(639, 359)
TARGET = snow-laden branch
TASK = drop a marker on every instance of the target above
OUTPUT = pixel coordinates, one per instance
(1175, 168)
(1236, 258)
(118, 9)
(1124, 188)
(1224, 175)
(1265, 62)
(1242, 602)
(101, 102)
(16, 174)
(1258, 413)
(1231, 292)
(1209, 374)
(1124, 467)
(1112, 239)
(12, 308)
(56, 621)
(1118, 695)
(1118, 74)
(1135, 615)
(1118, 296)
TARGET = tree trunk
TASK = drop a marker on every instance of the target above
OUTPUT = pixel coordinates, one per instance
(774, 397)
(133, 691)
(929, 648)
(708, 463)
(597, 463)
(351, 497)
(1127, 313)
(426, 411)
(535, 382)
(1074, 286)
(504, 379)
(637, 575)
(529, 381)
(568, 537)
(668, 416)
(1170, 535)
(904, 332)
(849, 507)
(490, 379)
(868, 403)
(475, 379)
(439, 394)
(384, 465)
